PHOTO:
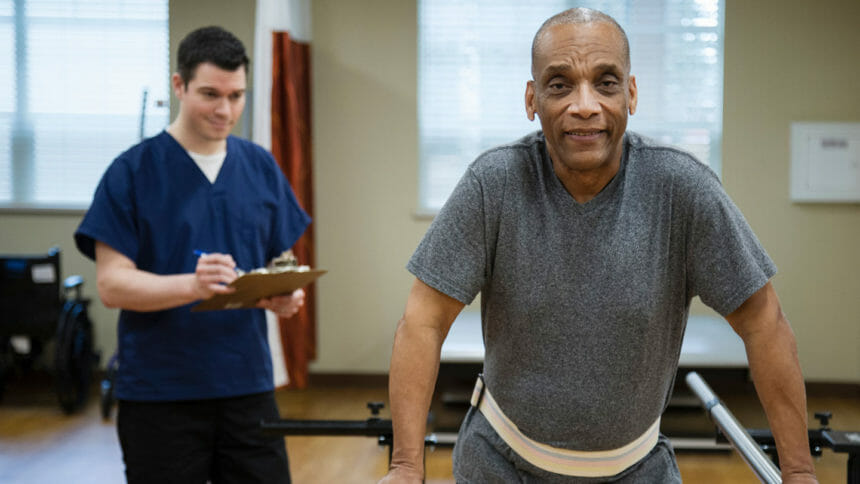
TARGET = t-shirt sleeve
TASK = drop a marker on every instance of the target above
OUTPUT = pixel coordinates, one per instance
(451, 257)
(111, 217)
(726, 263)
(290, 220)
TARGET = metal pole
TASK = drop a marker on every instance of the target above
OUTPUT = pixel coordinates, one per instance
(23, 144)
(142, 130)
(734, 432)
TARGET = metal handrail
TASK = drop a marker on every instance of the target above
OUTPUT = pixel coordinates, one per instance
(736, 434)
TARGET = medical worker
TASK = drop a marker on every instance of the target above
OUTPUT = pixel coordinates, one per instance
(172, 220)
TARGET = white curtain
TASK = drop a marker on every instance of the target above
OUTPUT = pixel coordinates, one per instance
(293, 16)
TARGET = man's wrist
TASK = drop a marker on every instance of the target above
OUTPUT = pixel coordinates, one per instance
(407, 470)
(411, 460)
(192, 288)
(799, 478)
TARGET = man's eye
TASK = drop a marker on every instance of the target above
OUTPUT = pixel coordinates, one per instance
(608, 86)
(556, 86)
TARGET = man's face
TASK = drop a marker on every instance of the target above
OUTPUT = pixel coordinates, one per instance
(211, 102)
(582, 93)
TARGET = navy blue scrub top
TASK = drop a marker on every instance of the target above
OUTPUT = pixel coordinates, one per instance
(156, 207)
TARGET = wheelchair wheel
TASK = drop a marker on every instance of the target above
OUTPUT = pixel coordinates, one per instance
(107, 388)
(74, 357)
(5, 364)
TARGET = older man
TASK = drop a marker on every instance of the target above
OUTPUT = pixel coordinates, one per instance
(587, 243)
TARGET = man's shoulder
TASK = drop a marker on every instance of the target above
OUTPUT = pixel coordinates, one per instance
(523, 148)
(655, 151)
(247, 147)
(659, 159)
(148, 150)
(516, 155)
(254, 154)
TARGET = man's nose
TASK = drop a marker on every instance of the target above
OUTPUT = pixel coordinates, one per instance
(584, 102)
(222, 107)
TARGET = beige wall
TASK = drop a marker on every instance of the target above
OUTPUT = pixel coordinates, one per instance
(797, 61)
(365, 153)
(785, 61)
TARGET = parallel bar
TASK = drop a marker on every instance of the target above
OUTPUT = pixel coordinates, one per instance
(366, 428)
(372, 427)
(734, 432)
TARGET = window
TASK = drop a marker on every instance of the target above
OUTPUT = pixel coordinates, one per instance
(475, 59)
(80, 82)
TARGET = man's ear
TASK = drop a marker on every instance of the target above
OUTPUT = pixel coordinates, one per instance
(178, 85)
(631, 85)
(530, 100)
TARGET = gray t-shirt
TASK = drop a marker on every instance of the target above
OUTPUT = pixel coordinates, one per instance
(584, 305)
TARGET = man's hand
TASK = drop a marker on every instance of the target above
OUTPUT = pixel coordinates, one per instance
(212, 274)
(402, 475)
(286, 305)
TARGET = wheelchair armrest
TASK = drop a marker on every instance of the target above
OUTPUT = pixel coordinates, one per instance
(75, 282)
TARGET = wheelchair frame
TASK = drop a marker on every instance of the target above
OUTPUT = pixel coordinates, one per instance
(32, 305)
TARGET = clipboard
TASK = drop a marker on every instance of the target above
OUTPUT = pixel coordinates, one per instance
(254, 286)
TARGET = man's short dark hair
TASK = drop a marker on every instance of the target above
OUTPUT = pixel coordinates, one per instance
(210, 44)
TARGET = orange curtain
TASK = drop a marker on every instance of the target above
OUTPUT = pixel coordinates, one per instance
(291, 146)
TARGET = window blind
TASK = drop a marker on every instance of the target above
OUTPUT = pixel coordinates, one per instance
(82, 80)
(475, 59)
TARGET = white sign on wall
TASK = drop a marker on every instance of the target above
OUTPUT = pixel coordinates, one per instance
(825, 162)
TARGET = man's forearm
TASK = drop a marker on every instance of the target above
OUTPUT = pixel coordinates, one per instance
(122, 285)
(778, 380)
(414, 365)
(412, 377)
(137, 290)
(772, 355)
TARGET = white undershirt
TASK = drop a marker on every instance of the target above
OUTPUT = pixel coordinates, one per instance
(210, 165)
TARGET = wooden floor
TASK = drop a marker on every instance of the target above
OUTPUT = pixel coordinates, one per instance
(39, 444)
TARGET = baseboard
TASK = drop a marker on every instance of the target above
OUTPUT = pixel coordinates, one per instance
(820, 389)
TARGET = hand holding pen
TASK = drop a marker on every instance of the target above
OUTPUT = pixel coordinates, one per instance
(213, 273)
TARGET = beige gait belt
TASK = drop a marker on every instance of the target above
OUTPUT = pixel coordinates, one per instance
(602, 463)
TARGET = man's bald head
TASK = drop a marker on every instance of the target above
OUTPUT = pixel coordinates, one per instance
(579, 15)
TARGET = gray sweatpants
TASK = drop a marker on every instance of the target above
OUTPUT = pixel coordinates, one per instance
(481, 456)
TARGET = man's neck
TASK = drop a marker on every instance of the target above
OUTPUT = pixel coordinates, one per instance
(585, 185)
(193, 143)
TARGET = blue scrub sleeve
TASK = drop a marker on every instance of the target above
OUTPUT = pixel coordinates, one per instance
(111, 217)
(290, 222)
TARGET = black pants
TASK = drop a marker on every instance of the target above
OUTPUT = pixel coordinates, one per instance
(196, 441)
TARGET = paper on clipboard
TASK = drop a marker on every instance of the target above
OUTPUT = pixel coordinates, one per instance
(254, 286)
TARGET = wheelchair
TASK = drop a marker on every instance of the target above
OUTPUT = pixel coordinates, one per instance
(33, 311)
